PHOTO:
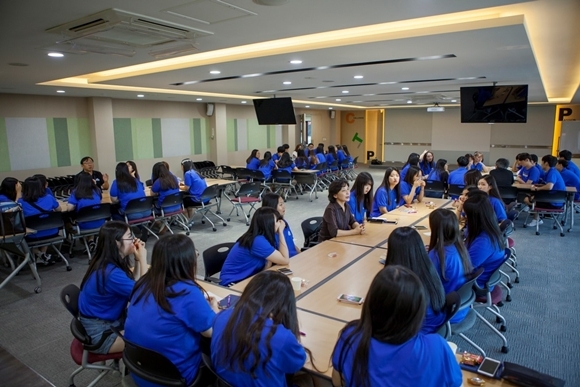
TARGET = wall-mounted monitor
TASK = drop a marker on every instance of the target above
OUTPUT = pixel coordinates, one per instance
(275, 111)
(491, 104)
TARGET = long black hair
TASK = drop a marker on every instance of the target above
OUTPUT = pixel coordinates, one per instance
(187, 165)
(471, 177)
(425, 162)
(252, 156)
(125, 181)
(332, 151)
(481, 219)
(393, 313)
(166, 179)
(406, 248)
(32, 190)
(412, 160)
(134, 167)
(263, 223)
(439, 168)
(410, 176)
(271, 200)
(494, 190)
(266, 160)
(8, 188)
(385, 184)
(285, 160)
(174, 259)
(358, 189)
(107, 252)
(86, 187)
(345, 150)
(268, 296)
(445, 232)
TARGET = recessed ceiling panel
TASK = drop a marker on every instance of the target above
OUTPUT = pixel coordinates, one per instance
(209, 11)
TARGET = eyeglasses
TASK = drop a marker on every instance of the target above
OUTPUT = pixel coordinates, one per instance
(131, 238)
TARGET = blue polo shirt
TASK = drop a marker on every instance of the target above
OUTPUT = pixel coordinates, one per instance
(554, 177)
(242, 263)
(321, 158)
(288, 356)
(498, 208)
(530, 175)
(329, 160)
(126, 197)
(426, 167)
(478, 166)
(175, 335)
(267, 169)
(163, 193)
(48, 203)
(424, 360)
(457, 177)
(254, 164)
(384, 199)
(82, 203)
(195, 182)
(4, 198)
(289, 238)
(406, 189)
(574, 168)
(484, 253)
(404, 171)
(357, 209)
(570, 180)
(117, 291)
(454, 274)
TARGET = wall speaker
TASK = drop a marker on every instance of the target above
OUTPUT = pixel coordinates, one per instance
(332, 113)
(209, 109)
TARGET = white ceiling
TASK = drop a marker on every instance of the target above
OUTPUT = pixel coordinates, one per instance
(541, 50)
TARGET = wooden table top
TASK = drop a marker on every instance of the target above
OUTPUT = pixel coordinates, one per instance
(526, 186)
(211, 182)
(316, 264)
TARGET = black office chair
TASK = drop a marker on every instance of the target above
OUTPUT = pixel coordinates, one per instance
(247, 195)
(141, 205)
(455, 190)
(214, 258)
(81, 345)
(205, 205)
(219, 381)
(310, 229)
(434, 189)
(174, 216)
(87, 214)
(452, 305)
(48, 221)
(549, 197)
(282, 182)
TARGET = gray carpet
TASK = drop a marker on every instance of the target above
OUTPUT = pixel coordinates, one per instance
(542, 319)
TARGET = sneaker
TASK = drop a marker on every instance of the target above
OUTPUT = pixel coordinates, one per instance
(92, 247)
(533, 223)
(43, 259)
(525, 209)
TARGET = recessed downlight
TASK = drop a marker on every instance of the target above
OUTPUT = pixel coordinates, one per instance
(60, 91)
(140, 96)
(358, 77)
(404, 88)
(244, 101)
(215, 72)
(199, 99)
(55, 54)
(287, 83)
(329, 108)
(453, 100)
(307, 106)
(409, 101)
(345, 92)
(296, 61)
(338, 100)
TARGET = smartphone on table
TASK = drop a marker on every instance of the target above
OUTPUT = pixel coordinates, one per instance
(285, 271)
(489, 367)
(350, 299)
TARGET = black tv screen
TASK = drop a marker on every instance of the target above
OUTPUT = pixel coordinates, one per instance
(491, 104)
(275, 111)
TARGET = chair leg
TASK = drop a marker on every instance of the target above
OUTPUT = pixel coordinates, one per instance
(504, 348)
(473, 344)
(68, 268)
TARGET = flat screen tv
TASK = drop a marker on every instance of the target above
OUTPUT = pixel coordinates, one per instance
(494, 104)
(275, 111)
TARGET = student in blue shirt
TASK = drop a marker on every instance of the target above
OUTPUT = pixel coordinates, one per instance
(388, 194)
(320, 153)
(10, 190)
(164, 184)
(301, 160)
(440, 172)
(484, 240)
(331, 157)
(412, 161)
(478, 162)
(471, 177)
(176, 309)
(426, 162)
(537, 165)
(278, 155)
(528, 174)
(267, 165)
(257, 342)
(35, 201)
(195, 184)
(253, 162)
(487, 184)
(286, 164)
(133, 169)
(124, 189)
(570, 179)
(457, 176)
(108, 283)
(412, 187)
(361, 197)
(405, 248)
(341, 155)
(347, 154)
(256, 249)
(385, 347)
(567, 155)
(448, 253)
(86, 194)
(44, 183)
(275, 201)
(553, 182)
(458, 203)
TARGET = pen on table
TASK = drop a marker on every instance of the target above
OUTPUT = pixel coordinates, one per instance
(302, 333)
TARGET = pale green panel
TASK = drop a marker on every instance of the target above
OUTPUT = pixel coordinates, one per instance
(51, 142)
(257, 135)
(85, 143)
(4, 156)
(192, 135)
(204, 136)
(142, 138)
(232, 138)
(74, 139)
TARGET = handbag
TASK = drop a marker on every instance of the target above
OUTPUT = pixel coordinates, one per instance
(12, 220)
(527, 377)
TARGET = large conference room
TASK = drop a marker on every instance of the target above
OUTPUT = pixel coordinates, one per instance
(174, 81)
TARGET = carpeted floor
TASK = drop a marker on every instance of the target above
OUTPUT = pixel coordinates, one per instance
(542, 319)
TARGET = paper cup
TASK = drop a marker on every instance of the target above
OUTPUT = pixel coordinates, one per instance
(296, 283)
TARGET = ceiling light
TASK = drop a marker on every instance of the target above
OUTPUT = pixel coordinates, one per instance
(338, 100)
(296, 61)
(404, 88)
(287, 83)
(199, 99)
(409, 101)
(60, 91)
(387, 83)
(453, 100)
(55, 54)
(307, 106)
(244, 102)
(140, 96)
(358, 77)
(345, 92)
(251, 75)
(329, 108)
(215, 72)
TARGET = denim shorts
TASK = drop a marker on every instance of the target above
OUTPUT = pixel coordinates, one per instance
(95, 328)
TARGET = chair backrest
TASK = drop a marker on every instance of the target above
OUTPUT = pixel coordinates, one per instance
(508, 194)
(465, 292)
(310, 228)
(227, 170)
(69, 296)
(550, 196)
(455, 189)
(210, 192)
(214, 258)
(452, 305)
(45, 221)
(506, 227)
(94, 212)
(435, 186)
(494, 278)
(250, 189)
(278, 174)
(149, 183)
(243, 173)
(305, 178)
(151, 365)
(140, 205)
(207, 361)
(355, 161)
(12, 221)
(172, 200)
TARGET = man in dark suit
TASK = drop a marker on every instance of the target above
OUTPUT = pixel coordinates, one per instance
(503, 176)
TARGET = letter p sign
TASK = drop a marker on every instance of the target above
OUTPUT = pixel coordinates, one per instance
(370, 154)
(564, 112)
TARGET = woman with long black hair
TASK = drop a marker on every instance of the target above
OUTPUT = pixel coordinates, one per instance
(385, 348)
(388, 194)
(361, 197)
(108, 283)
(178, 311)
(253, 162)
(125, 188)
(275, 201)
